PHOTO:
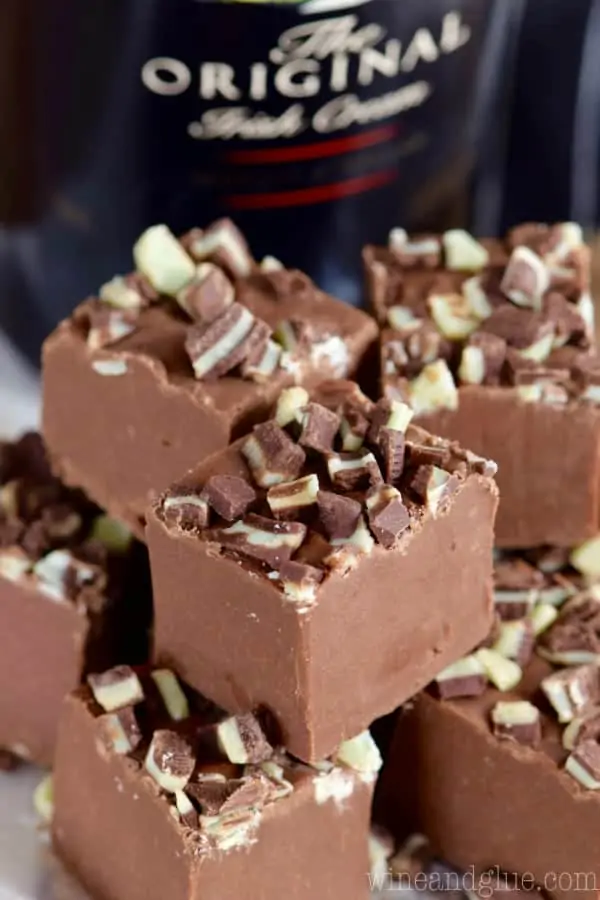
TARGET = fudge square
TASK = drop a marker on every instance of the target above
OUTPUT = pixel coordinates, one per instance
(324, 584)
(169, 364)
(498, 763)
(492, 344)
(74, 596)
(201, 805)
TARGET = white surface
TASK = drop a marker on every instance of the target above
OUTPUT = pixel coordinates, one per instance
(28, 871)
(19, 393)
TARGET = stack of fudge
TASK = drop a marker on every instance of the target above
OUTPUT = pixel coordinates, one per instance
(320, 533)
(497, 763)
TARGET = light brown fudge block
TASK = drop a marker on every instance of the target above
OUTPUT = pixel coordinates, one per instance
(333, 610)
(492, 344)
(506, 774)
(176, 360)
(228, 829)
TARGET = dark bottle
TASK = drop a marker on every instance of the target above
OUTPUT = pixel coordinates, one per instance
(554, 163)
(317, 126)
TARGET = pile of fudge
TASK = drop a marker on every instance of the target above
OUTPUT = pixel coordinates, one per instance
(260, 619)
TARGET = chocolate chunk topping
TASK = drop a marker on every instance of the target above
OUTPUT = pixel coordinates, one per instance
(516, 640)
(519, 328)
(242, 740)
(353, 471)
(353, 429)
(288, 499)
(300, 581)
(339, 515)
(548, 560)
(290, 404)
(392, 448)
(108, 325)
(569, 325)
(388, 516)
(218, 348)
(584, 764)
(229, 496)
(586, 375)
(272, 455)
(465, 678)
(571, 691)
(138, 283)
(514, 574)
(250, 792)
(262, 539)
(421, 253)
(389, 414)
(119, 730)
(552, 383)
(343, 396)
(505, 674)
(585, 727)
(319, 427)
(433, 487)
(208, 296)
(263, 355)
(447, 329)
(516, 588)
(221, 798)
(482, 359)
(526, 278)
(408, 350)
(188, 814)
(427, 454)
(116, 688)
(185, 509)
(222, 243)
(62, 576)
(575, 636)
(519, 721)
(170, 760)
(209, 793)
(171, 693)
(538, 236)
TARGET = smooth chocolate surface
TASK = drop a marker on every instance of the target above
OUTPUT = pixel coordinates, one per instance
(124, 411)
(548, 462)
(503, 796)
(343, 602)
(70, 600)
(234, 829)
(493, 346)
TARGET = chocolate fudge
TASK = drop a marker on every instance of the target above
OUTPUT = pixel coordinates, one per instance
(158, 794)
(324, 567)
(498, 762)
(74, 596)
(492, 344)
(169, 364)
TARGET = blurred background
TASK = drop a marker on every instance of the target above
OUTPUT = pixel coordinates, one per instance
(317, 125)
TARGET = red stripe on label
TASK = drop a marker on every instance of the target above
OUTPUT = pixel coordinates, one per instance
(307, 196)
(319, 150)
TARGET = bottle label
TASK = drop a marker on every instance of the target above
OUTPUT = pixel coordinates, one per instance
(316, 126)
